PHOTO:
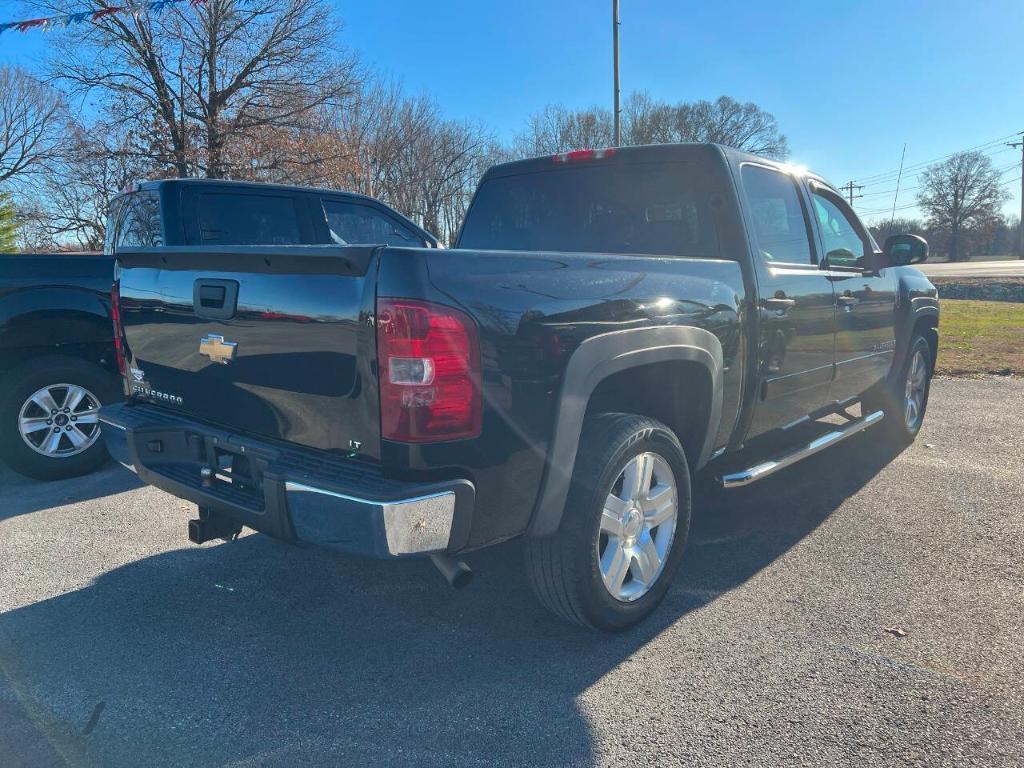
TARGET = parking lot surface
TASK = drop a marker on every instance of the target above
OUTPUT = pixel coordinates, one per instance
(858, 609)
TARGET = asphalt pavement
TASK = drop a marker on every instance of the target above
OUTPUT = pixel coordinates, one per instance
(1013, 268)
(860, 609)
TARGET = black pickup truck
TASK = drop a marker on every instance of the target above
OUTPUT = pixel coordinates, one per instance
(58, 361)
(609, 323)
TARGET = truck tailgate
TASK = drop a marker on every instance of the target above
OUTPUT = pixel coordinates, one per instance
(272, 341)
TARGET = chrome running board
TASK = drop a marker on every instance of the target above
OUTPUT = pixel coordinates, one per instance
(748, 476)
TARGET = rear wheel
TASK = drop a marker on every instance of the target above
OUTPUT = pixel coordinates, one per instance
(49, 426)
(624, 528)
(904, 397)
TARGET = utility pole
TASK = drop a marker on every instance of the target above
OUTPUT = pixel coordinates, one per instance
(848, 187)
(615, 66)
(1020, 224)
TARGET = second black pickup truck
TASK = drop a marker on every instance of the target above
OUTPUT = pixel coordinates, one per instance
(57, 355)
(57, 361)
(609, 323)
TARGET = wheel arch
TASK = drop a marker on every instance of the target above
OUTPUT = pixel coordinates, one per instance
(684, 407)
(917, 311)
(599, 366)
(927, 324)
(55, 321)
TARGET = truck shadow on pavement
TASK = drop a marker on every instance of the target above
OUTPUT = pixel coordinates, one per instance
(256, 653)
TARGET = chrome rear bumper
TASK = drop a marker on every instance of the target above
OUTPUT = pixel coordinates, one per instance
(297, 495)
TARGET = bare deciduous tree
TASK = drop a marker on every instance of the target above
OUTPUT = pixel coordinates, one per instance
(886, 227)
(31, 115)
(199, 80)
(557, 129)
(648, 121)
(741, 125)
(401, 150)
(961, 197)
(71, 200)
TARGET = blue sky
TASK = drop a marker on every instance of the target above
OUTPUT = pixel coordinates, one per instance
(850, 82)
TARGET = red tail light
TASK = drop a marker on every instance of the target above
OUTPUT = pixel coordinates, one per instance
(583, 155)
(115, 315)
(429, 363)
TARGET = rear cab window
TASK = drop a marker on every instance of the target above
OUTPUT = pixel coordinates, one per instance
(659, 209)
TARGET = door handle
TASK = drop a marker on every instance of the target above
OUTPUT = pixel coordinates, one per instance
(215, 299)
(212, 296)
(848, 301)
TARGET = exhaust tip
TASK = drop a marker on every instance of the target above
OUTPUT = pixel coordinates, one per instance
(463, 577)
(455, 572)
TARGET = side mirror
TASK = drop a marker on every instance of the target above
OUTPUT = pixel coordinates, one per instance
(901, 250)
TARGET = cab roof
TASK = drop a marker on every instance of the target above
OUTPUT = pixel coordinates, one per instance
(646, 153)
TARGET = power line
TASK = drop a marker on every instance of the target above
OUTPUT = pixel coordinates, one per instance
(875, 178)
(1001, 170)
(877, 211)
(921, 167)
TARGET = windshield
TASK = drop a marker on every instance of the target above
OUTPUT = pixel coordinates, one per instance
(637, 208)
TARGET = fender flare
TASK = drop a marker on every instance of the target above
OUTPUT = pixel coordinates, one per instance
(918, 307)
(46, 316)
(593, 361)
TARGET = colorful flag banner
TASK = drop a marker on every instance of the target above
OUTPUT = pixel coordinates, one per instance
(51, 22)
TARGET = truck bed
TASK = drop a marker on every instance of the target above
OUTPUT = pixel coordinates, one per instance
(304, 370)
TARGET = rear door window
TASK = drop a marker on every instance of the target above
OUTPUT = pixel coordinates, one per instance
(780, 222)
(231, 218)
(355, 224)
(642, 208)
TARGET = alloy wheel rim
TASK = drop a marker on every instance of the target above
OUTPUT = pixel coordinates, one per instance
(917, 381)
(638, 524)
(60, 420)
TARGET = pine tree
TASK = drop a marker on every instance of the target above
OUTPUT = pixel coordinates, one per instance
(8, 225)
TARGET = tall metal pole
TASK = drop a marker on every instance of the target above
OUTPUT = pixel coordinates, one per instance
(615, 63)
(1020, 225)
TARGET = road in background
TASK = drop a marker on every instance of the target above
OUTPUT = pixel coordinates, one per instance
(974, 269)
(852, 610)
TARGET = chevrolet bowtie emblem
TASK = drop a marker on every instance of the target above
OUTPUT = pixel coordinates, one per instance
(218, 350)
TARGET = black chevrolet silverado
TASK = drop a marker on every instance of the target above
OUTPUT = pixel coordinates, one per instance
(609, 323)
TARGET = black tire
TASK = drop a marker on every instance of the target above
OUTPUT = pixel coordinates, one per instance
(564, 569)
(891, 395)
(20, 384)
